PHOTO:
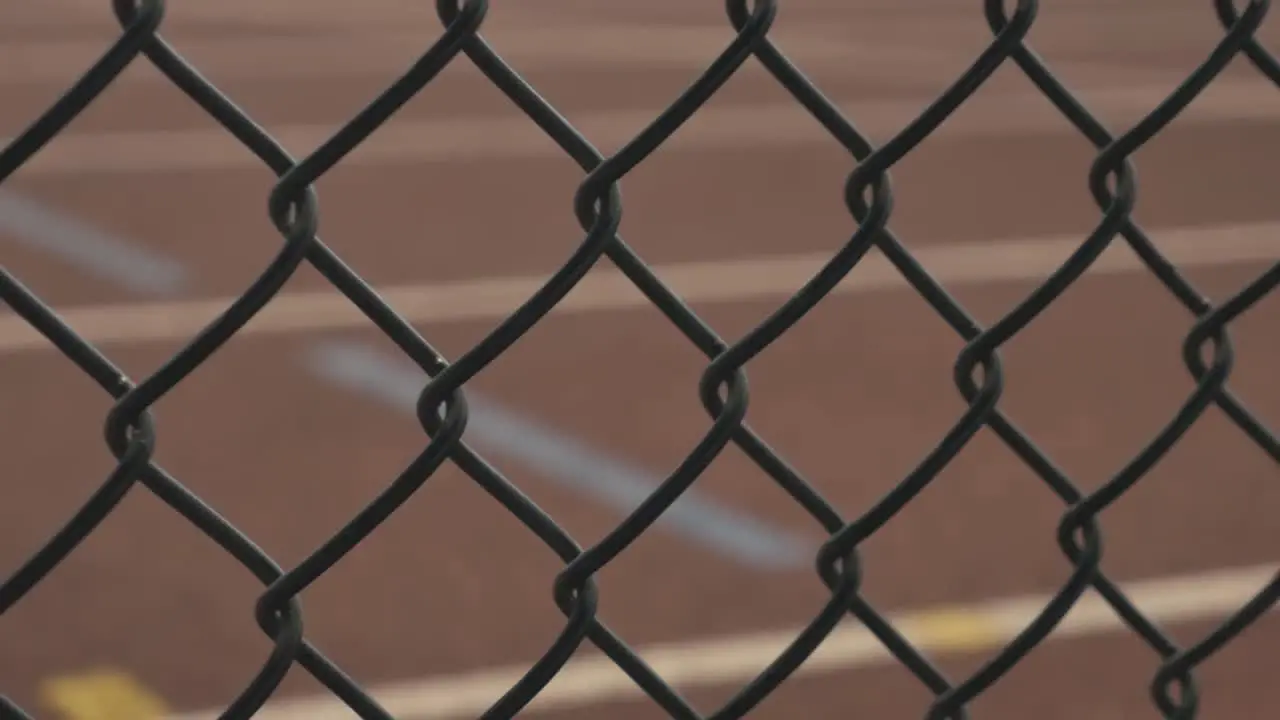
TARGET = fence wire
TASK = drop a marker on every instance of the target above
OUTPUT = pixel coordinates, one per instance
(442, 406)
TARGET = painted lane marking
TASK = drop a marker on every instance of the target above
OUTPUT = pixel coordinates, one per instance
(569, 463)
(722, 281)
(103, 694)
(592, 679)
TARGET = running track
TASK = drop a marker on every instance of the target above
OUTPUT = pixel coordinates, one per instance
(137, 221)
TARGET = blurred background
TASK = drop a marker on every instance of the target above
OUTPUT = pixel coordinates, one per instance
(142, 220)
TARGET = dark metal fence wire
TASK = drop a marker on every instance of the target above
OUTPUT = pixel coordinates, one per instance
(442, 406)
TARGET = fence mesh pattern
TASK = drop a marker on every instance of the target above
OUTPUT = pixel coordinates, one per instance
(442, 405)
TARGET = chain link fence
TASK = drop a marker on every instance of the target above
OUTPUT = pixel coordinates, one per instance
(442, 405)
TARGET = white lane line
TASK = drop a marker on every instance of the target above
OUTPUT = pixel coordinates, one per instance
(591, 679)
(87, 248)
(724, 281)
(762, 125)
(566, 461)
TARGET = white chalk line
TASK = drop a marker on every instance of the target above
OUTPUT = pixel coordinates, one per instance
(721, 281)
(775, 125)
(592, 679)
